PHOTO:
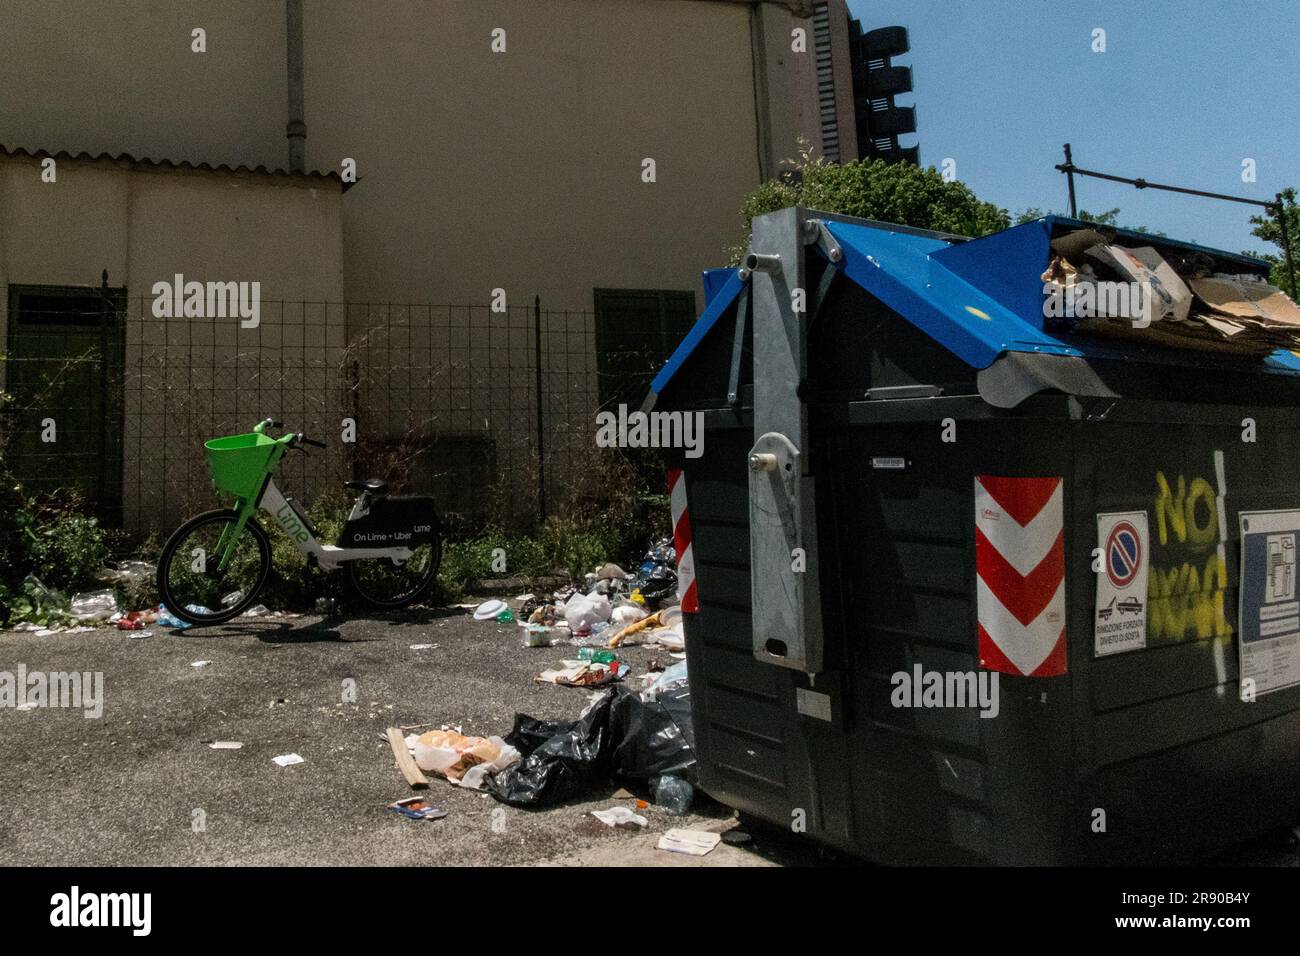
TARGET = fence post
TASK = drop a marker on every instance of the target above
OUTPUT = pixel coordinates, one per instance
(541, 449)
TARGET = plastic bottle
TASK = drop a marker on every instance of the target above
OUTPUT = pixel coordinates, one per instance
(597, 655)
(674, 794)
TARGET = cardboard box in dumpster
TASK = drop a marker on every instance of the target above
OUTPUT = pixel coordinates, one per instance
(1244, 297)
(1168, 294)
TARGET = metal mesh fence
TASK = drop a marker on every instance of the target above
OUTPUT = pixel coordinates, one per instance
(491, 411)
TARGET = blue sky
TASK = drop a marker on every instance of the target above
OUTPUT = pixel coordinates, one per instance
(1184, 92)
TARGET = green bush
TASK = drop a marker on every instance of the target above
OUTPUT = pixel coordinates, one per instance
(65, 550)
(873, 189)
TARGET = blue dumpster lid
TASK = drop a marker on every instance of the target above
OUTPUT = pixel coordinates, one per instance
(979, 299)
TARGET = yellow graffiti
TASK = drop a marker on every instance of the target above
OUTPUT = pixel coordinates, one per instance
(1178, 512)
(1186, 600)
(1183, 604)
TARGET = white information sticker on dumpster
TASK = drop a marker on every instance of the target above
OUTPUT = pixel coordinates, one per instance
(1269, 613)
(1121, 613)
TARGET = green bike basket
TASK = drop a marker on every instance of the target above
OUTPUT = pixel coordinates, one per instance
(239, 463)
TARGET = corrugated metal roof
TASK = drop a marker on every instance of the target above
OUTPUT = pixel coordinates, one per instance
(143, 162)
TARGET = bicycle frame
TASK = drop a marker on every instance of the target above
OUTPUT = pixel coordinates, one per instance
(328, 556)
(273, 502)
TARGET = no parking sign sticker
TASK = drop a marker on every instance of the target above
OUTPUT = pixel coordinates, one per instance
(1121, 612)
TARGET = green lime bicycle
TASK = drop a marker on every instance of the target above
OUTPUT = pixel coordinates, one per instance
(214, 566)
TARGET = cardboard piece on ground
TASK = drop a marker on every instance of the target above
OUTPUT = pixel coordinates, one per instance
(287, 760)
(690, 842)
(405, 762)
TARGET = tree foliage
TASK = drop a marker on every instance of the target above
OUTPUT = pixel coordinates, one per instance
(872, 189)
(1268, 228)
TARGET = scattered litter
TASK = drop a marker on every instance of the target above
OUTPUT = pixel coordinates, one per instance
(417, 808)
(645, 624)
(140, 635)
(674, 794)
(539, 635)
(198, 664)
(231, 745)
(506, 617)
(583, 674)
(611, 572)
(465, 761)
(560, 760)
(257, 610)
(620, 817)
(93, 606)
(488, 610)
(287, 760)
(128, 573)
(136, 620)
(583, 610)
(690, 842)
(402, 755)
(423, 647)
(167, 619)
(626, 614)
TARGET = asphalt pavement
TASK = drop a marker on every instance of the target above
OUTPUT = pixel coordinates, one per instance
(141, 785)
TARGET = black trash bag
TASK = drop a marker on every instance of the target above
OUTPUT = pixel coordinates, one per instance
(560, 760)
(660, 584)
(652, 738)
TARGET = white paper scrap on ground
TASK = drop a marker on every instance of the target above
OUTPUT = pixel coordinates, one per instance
(229, 745)
(287, 760)
(423, 647)
(198, 664)
(690, 842)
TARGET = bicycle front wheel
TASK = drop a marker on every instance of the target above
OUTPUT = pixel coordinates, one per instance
(206, 574)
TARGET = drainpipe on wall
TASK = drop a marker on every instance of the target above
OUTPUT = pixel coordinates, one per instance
(762, 93)
(296, 130)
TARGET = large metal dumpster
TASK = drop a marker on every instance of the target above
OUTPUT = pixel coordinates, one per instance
(905, 475)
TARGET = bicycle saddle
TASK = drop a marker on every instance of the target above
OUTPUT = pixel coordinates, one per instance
(376, 486)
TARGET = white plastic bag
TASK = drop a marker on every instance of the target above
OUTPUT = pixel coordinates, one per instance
(584, 610)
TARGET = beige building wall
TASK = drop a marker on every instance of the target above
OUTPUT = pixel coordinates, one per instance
(520, 170)
(479, 170)
(188, 379)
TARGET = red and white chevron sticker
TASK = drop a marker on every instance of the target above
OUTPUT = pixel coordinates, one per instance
(687, 594)
(1020, 567)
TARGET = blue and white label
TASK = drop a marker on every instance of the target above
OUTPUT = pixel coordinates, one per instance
(1269, 614)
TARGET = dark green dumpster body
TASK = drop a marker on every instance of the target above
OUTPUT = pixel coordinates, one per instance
(1149, 755)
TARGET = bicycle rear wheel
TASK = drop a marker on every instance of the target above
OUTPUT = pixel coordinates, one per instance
(383, 583)
(194, 585)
